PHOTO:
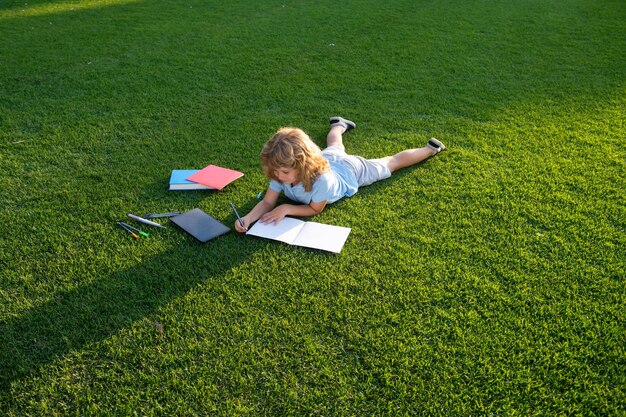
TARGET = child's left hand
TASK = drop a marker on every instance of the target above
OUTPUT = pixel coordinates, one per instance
(275, 215)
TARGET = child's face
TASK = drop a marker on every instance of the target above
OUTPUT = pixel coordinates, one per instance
(286, 175)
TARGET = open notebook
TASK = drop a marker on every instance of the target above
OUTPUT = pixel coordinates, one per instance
(300, 233)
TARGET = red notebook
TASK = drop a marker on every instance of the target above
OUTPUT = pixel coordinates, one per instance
(215, 177)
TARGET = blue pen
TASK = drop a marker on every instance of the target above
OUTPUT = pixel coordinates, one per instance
(237, 214)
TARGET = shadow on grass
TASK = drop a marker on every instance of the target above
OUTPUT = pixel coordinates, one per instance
(94, 312)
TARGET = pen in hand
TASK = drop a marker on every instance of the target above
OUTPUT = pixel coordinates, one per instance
(241, 223)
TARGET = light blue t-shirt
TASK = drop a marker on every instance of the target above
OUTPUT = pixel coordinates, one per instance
(333, 185)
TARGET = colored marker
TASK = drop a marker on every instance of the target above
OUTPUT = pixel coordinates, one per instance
(144, 221)
(128, 230)
(155, 215)
(142, 233)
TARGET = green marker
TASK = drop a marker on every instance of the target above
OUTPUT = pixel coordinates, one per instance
(142, 233)
(133, 234)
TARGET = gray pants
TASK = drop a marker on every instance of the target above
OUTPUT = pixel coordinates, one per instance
(367, 171)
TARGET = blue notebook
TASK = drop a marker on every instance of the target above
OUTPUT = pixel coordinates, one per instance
(178, 180)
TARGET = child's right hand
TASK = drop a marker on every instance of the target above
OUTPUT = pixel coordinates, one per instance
(239, 227)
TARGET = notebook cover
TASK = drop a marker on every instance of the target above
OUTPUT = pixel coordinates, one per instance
(214, 176)
(178, 180)
(200, 225)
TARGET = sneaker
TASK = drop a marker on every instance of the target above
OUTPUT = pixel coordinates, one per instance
(436, 145)
(340, 121)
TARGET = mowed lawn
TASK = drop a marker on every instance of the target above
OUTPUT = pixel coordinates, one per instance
(489, 280)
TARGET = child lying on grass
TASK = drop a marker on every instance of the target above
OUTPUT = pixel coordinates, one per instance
(312, 177)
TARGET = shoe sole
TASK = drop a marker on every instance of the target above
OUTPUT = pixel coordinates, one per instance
(334, 121)
(436, 144)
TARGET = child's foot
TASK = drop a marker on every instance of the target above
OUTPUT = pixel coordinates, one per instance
(436, 145)
(340, 121)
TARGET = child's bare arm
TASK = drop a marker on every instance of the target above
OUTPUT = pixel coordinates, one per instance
(262, 207)
(304, 210)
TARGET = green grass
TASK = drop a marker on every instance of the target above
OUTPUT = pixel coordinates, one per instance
(487, 280)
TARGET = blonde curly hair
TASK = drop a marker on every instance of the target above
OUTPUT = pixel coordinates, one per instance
(291, 148)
